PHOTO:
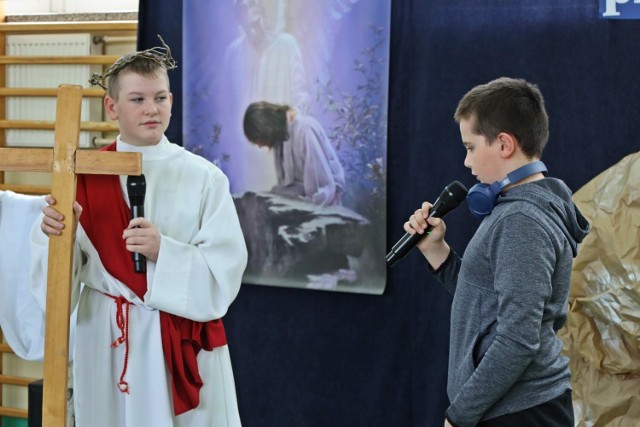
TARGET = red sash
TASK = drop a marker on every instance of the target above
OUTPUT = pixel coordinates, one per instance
(104, 216)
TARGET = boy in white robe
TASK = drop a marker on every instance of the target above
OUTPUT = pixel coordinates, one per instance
(150, 348)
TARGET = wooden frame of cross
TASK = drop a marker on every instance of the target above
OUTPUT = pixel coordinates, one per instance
(64, 162)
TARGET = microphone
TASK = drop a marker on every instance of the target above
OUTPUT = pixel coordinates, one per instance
(136, 187)
(452, 195)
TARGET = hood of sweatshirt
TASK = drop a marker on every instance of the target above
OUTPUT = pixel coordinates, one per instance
(552, 196)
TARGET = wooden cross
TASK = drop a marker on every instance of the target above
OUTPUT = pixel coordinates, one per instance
(64, 162)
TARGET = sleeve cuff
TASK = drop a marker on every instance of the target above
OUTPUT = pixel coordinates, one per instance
(443, 265)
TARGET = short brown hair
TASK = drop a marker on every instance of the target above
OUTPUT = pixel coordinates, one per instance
(143, 66)
(507, 105)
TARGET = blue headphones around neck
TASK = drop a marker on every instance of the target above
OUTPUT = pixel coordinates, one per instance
(482, 197)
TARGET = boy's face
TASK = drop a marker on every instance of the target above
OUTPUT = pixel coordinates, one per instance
(143, 108)
(483, 159)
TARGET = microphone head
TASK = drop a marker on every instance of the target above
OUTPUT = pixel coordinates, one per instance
(136, 188)
(452, 195)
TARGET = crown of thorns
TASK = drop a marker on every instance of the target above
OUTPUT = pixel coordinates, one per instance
(160, 55)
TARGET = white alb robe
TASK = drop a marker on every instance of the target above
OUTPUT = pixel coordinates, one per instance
(21, 315)
(197, 275)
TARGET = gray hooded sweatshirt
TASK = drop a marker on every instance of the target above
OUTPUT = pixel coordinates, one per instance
(510, 298)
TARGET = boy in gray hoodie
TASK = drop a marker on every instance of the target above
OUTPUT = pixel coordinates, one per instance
(511, 287)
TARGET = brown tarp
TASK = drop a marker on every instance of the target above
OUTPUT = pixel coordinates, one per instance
(602, 335)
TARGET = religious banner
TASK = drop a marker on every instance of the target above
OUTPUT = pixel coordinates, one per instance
(289, 99)
(620, 9)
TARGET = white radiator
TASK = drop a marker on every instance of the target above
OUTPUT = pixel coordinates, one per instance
(48, 76)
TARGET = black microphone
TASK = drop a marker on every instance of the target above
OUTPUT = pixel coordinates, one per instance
(136, 187)
(452, 195)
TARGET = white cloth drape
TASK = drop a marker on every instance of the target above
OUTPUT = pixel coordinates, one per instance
(21, 314)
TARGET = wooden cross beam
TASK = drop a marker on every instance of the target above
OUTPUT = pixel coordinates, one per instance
(64, 162)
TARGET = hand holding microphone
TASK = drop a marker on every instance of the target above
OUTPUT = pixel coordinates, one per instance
(452, 195)
(136, 189)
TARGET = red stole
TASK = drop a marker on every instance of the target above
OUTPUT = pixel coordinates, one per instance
(104, 217)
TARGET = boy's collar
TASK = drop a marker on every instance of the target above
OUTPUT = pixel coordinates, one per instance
(124, 147)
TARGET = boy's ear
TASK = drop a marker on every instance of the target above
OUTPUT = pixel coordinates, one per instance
(508, 144)
(110, 107)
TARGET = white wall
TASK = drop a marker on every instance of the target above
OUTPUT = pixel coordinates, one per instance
(23, 7)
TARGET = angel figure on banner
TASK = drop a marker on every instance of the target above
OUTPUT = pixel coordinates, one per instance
(282, 49)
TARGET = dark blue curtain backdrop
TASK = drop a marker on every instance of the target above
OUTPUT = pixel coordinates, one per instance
(307, 358)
